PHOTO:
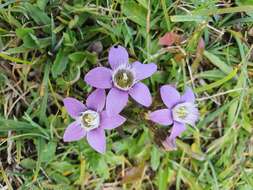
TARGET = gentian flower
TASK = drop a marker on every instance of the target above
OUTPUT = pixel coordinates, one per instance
(122, 79)
(181, 110)
(90, 120)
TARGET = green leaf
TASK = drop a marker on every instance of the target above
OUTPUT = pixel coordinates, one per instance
(218, 62)
(28, 163)
(73, 22)
(7, 3)
(13, 59)
(98, 164)
(28, 37)
(187, 176)
(91, 57)
(62, 167)
(187, 149)
(40, 143)
(39, 16)
(42, 4)
(69, 38)
(77, 56)
(247, 3)
(238, 9)
(48, 152)
(188, 18)
(144, 3)
(217, 83)
(163, 179)
(59, 179)
(244, 2)
(44, 94)
(22, 32)
(212, 75)
(155, 158)
(210, 117)
(19, 126)
(60, 63)
(135, 12)
(194, 39)
(15, 50)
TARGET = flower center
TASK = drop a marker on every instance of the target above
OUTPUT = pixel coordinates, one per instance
(185, 113)
(181, 111)
(123, 79)
(90, 119)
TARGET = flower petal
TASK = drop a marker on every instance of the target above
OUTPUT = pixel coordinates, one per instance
(177, 129)
(117, 56)
(74, 132)
(100, 77)
(141, 94)
(192, 113)
(96, 139)
(169, 144)
(188, 96)
(162, 117)
(116, 101)
(73, 107)
(111, 121)
(169, 95)
(96, 100)
(170, 141)
(143, 71)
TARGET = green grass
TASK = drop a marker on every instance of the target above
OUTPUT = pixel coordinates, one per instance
(47, 46)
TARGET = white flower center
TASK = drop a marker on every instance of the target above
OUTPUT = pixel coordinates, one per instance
(90, 120)
(185, 113)
(123, 78)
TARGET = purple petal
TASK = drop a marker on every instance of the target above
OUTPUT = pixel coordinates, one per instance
(96, 100)
(141, 94)
(99, 77)
(169, 95)
(143, 71)
(116, 101)
(96, 139)
(111, 121)
(177, 129)
(169, 144)
(188, 95)
(193, 117)
(117, 56)
(74, 132)
(170, 141)
(162, 117)
(73, 107)
(192, 113)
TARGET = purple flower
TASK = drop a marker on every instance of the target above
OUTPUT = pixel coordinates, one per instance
(90, 120)
(180, 111)
(122, 80)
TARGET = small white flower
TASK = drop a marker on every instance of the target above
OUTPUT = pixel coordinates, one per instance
(185, 113)
(89, 119)
(124, 77)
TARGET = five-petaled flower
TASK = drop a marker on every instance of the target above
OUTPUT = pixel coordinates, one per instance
(122, 80)
(181, 110)
(90, 120)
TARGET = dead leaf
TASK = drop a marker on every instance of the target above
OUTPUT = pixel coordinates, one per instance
(179, 57)
(134, 174)
(200, 47)
(251, 32)
(199, 55)
(169, 39)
